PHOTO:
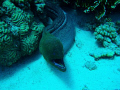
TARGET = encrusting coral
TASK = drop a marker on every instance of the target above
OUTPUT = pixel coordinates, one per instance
(19, 33)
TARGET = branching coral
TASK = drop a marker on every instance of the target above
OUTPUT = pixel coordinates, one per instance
(108, 36)
(99, 6)
(106, 33)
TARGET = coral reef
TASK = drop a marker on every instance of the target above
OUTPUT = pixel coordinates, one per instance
(98, 6)
(9, 47)
(29, 43)
(5, 36)
(106, 33)
(9, 55)
(19, 17)
(20, 32)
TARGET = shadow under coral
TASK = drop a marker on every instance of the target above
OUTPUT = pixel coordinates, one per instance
(6, 72)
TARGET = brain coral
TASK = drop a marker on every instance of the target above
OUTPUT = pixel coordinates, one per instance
(19, 34)
(106, 34)
(8, 6)
(9, 56)
(5, 35)
(30, 43)
(24, 30)
(19, 17)
(9, 52)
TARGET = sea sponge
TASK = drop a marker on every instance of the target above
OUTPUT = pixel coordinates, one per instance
(106, 34)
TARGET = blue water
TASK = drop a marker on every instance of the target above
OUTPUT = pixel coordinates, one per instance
(34, 73)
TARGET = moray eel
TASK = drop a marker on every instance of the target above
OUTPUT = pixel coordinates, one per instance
(58, 37)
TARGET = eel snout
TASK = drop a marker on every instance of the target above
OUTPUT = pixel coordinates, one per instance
(58, 63)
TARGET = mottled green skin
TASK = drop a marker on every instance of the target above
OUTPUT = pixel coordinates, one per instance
(52, 49)
(58, 37)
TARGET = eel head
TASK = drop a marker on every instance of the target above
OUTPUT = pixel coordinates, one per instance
(52, 50)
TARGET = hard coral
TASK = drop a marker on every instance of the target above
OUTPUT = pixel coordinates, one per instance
(99, 6)
(9, 48)
(6, 39)
(18, 32)
(106, 33)
(108, 36)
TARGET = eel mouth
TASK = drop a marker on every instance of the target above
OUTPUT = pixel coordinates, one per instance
(59, 64)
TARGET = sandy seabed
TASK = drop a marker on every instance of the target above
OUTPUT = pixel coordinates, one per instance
(34, 73)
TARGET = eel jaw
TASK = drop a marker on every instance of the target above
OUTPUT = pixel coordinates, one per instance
(58, 63)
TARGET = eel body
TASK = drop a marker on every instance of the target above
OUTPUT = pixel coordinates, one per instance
(57, 37)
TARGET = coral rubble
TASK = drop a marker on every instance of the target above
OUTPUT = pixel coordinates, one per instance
(90, 65)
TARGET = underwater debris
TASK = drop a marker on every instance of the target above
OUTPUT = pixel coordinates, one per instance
(90, 65)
